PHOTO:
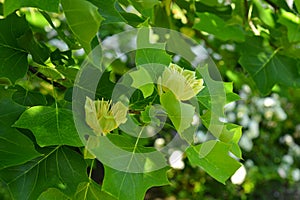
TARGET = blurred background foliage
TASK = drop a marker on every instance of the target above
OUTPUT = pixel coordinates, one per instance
(239, 35)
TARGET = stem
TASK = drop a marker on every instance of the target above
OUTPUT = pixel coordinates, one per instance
(45, 78)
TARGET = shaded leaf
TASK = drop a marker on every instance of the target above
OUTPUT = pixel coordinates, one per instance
(108, 11)
(40, 52)
(28, 98)
(84, 20)
(15, 148)
(292, 22)
(265, 14)
(181, 114)
(50, 126)
(142, 80)
(215, 25)
(91, 191)
(225, 132)
(266, 67)
(48, 5)
(13, 58)
(105, 87)
(53, 193)
(132, 186)
(59, 168)
(213, 157)
(205, 98)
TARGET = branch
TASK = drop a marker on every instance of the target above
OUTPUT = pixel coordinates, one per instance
(45, 78)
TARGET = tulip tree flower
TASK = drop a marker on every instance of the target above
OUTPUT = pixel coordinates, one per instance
(103, 116)
(183, 83)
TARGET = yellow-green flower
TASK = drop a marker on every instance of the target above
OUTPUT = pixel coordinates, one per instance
(183, 83)
(103, 116)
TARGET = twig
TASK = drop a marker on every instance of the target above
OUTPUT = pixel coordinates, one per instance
(45, 78)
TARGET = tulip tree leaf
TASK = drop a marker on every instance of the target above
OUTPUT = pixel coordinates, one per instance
(13, 58)
(91, 191)
(292, 22)
(28, 98)
(267, 67)
(48, 5)
(59, 167)
(213, 157)
(15, 147)
(50, 126)
(84, 20)
(130, 168)
(108, 10)
(15, 43)
(215, 25)
(181, 114)
(150, 53)
(142, 80)
(132, 186)
(53, 193)
(204, 97)
(297, 3)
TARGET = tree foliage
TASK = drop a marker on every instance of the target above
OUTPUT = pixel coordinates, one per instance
(44, 44)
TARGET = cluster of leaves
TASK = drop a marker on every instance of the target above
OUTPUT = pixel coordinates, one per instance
(41, 153)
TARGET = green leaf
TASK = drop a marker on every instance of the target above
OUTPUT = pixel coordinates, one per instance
(91, 191)
(132, 186)
(13, 58)
(105, 87)
(84, 20)
(265, 14)
(51, 126)
(215, 25)
(225, 132)
(152, 56)
(292, 22)
(297, 3)
(15, 44)
(213, 157)
(15, 148)
(266, 67)
(150, 53)
(224, 11)
(230, 95)
(145, 7)
(48, 5)
(210, 3)
(53, 193)
(108, 11)
(143, 81)
(40, 53)
(181, 114)
(28, 98)
(59, 168)
(10, 111)
(205, 98)
(130, 168)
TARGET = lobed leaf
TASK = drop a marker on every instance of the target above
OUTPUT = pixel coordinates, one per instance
(133, 186)
(84, 20)
(213, 24)
(15, 148)
(213, 157)
(50, 126)
(59, 167)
